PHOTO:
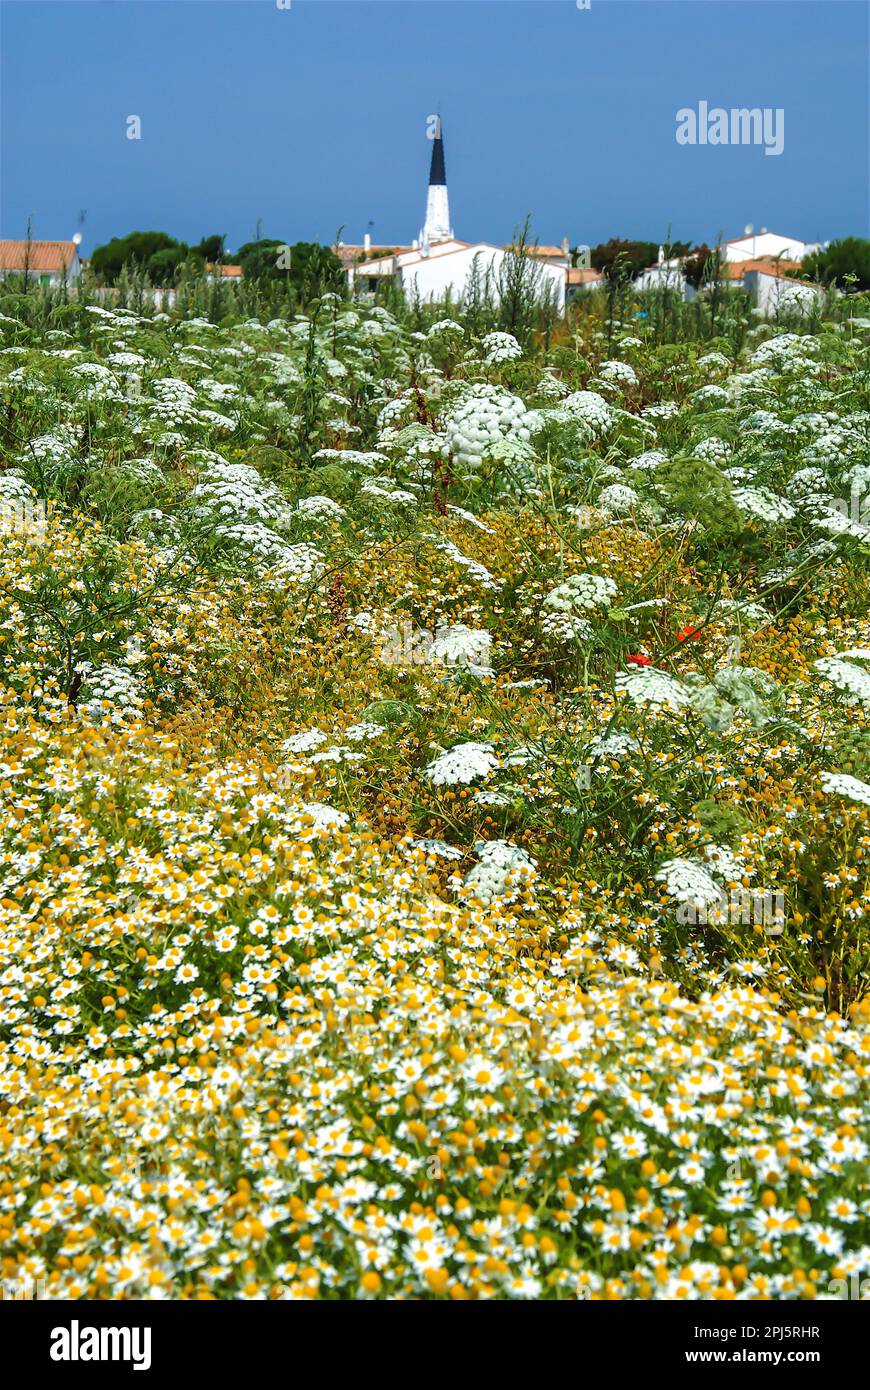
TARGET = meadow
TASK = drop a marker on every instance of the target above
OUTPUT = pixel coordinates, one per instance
(434, 787)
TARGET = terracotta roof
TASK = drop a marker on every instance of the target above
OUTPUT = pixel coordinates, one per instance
(735, 270)
(546, 251)
(348, 252)
(583, 276)
(43, 258)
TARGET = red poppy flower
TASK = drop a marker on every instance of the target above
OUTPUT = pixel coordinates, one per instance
(638, 659)
(688, 634)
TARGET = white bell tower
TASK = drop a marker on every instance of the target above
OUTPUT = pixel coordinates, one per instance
(437, 225)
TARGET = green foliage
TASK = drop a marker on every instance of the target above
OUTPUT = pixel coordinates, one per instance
(311, 269)
(211, 248)
(845, 263)
(617, 258)
(108, 261)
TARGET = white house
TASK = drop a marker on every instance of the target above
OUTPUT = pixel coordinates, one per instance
(438, 264)
(754, 246)
(777, 294)
(48, 262)
(451, 269)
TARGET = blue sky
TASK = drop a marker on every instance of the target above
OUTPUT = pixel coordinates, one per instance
(315, 116)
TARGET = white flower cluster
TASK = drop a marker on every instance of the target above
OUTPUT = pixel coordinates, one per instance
(503, 869)
(617, 499)
(305, 742)
(483, 418)
(763, 505)
(294, 564)
(235, 491)
(784, 349)
(649, 686)
(325, 818)
(320, 508)
(688, 882)
(592, 410)
(566, 627)
(649, 461)
(713, 449)
(458, 645)
(582, 592)
(354, 458)
(439, 849)
(113, 684)
(618, 373)
(844, 785)
(14, 488)
(386, 490)
(501, 347)
(463, 763)
(445, 326)
(473, 567)
(852, 680)
(614, 745)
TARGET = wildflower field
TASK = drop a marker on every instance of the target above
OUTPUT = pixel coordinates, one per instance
(434, 787)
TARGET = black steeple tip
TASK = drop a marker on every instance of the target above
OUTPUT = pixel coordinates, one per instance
(437, 175)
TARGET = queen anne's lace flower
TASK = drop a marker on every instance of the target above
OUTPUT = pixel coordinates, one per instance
(503, 868)
(463, 763)
(458, 645)
(649, 686)
(483, 418)
(592, 410)
(582, 592)
(844, 785)
(688, 882)
(852, 680)
(763, 505)
(620, 373)
(501, 347)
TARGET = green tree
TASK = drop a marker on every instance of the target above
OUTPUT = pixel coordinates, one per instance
(210, 249)
(839, 262)
(703, 265)
(629, 258)
(311, 269)
(162, 267)
(108, 261)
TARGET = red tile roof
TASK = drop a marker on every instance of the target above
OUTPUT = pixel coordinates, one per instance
(581, 276)
(735, 270)
(349, 252)
(43, 258)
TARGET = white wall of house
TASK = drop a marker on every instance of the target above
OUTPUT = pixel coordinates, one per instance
(774, 295)
(667, 276)
(750, 248)
(431, 278)
(49, 277)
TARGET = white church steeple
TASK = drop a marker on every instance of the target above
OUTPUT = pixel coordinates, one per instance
(437, 225)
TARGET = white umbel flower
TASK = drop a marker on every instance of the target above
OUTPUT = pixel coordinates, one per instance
(649, 686)
(501, 347)
(503, 868)
(483, 418)
(841, 784)
(620, 373)
(458, 645)
(852, 680)
(762, 504)
(326, 818)
(462, 764)
(688, 882)
(592, 410)
(582, 592)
